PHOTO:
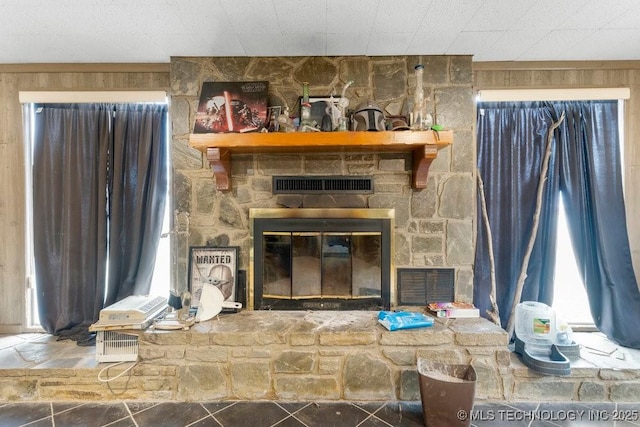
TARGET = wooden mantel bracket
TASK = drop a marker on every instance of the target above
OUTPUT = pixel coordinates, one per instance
(422, 158)
(220, 162)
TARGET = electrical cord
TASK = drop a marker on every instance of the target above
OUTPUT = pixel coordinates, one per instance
(106, 380)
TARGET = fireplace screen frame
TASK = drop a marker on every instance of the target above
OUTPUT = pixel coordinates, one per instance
(334, 220)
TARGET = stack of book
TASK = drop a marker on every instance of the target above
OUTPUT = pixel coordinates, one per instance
(453, 309)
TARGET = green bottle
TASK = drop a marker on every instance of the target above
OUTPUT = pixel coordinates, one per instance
(305, 108)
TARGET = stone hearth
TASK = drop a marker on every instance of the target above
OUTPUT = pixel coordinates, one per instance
(303, 356)
(307, 355)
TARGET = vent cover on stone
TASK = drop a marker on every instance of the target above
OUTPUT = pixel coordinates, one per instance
(322, 184)
(420, 286)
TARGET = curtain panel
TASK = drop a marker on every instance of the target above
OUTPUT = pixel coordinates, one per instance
(95, 165)
(137, 188)
(585, 169)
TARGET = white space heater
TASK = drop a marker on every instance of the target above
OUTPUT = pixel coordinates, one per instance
(112, 346)
(136, 312)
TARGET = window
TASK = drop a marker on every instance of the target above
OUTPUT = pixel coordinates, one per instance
(570, 296)
(161, 275)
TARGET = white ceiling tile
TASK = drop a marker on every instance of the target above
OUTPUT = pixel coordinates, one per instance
(25, 18)
(347, 44)
(177, 45)
(512, 44)
(405, 16)
(498, 14)
(253, 16)
(605, 44)
(356, 16)
(435, 42)
(203, 19)
(630, 18)
(449, 15)
(389, 43)
(302, 16)
(33, 47)
(305, 44)
(595, 13)
(141, 18)
(151, 48)
(227, 45)
(87, 49)
(254, 44)
(547, 14)
(554, 45)
(477, 43)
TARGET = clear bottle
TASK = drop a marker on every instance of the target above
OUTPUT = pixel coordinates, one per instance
(419, 114)
(305, 107)
(285, 124)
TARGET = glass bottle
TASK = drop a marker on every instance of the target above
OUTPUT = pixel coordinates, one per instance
(418, 114)
(305, 107)
(285, 124)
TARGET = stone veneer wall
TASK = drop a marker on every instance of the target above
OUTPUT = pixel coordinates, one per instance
(434, 226)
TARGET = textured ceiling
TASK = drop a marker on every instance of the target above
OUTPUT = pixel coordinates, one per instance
(68, 31)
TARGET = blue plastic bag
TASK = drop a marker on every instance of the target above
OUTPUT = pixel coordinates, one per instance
(394, 320)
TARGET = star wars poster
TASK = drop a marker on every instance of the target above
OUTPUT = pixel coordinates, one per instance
(217, 266)
(232, 107)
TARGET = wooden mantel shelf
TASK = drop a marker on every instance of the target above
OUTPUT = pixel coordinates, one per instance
(218, 147)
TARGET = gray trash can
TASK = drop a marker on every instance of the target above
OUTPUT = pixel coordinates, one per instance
(447, 393)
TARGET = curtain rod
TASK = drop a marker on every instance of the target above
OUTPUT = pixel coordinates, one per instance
(63, 96)
(568, 94)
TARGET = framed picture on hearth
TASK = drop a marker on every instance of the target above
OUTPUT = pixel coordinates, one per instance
(214, 265)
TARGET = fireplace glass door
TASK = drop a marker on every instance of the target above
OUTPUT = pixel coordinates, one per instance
(321, 264)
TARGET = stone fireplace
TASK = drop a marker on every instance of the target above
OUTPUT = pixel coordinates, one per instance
(321, 259)
(433, 226)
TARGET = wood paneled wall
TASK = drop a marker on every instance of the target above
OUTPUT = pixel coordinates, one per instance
(16, 78)
(584, 74)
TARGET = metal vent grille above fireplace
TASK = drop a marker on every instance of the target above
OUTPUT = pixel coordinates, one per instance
(322, 184)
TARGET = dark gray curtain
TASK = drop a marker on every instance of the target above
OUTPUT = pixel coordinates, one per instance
(591, 184)
(585, 169)
(99, 199)
(69, 213)
(511, 146)
(137, 188)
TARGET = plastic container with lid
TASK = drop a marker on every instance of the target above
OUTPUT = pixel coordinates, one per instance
(535, 324)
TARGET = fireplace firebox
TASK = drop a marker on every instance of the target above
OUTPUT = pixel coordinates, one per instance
(321, 259)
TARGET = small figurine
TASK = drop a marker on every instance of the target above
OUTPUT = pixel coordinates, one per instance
(285, 124)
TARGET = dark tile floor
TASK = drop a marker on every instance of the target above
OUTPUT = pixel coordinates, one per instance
(299, 414)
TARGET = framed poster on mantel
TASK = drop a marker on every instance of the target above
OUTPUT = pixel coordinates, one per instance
(232, 107)
(217, 266)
